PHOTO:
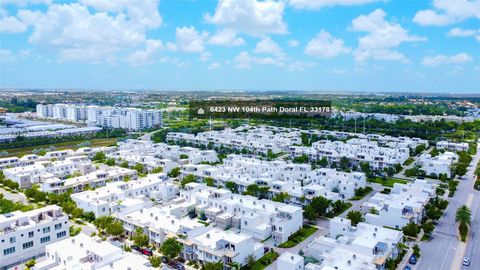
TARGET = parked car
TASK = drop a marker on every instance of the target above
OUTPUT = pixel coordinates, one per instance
(413, 259)
(177, 265)
(146, 251)
(466, 261)
(407, 268)
(137, 248)
(164, 259)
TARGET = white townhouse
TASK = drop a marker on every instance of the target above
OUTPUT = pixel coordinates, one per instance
(90, 253)
(98, 178)
(24, 235)
(290, 261)
(347, 247)
(162, 222)
(441, 164)
(259, 218)
(218, 245)
(404, 204)
(40, 170)
(343, 183)
(125, 197)
(452, 146)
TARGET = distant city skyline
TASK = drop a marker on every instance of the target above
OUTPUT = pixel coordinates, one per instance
(325, 45)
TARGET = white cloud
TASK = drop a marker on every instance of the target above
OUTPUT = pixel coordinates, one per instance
(226, 37)
(12, 25)
(204, 56)
(318, 4)
(140, 12)
(459, 32)
(324, 45)
(445, 59)
(214, 65)
(7, 55)
(252, 17)
(267, 45)
(293, 43)
(447, 12)
(79, 32)
(190, 40)
(382, 37)
(243, 60)
(145, 55)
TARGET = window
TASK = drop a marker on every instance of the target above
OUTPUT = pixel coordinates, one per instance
(58, 226)
(45, 239)
(61, 234)
(46, 230)
(12, 239)
(9, 250)
(30, 234)
(28, 245)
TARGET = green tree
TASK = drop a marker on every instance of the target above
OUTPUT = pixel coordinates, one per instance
(139, 167)
(156, 261)
(411, 229)
(103, 222)
(115, 229)
(99, 156)
(250, 261)
(188, 179)
(323, 162)
(428, 227)
(139, 238)
(175, 172)
(281, 197)
(232, 186)
(355, 216)
(213, 266)
(344, 163)
(124, 164)
(209, 181)
(171, 248)
(463, 216)
(110, 162)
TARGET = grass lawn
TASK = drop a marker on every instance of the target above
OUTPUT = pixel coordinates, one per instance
(362, 193)
(387, 182)
(334, 213)
(298, 236)
(63, 145)
(265, 261)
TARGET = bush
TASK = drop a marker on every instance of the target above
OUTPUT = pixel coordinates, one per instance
(463, 229)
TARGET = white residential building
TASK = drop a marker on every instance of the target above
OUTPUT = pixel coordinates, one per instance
(452, 146)
(90, 253)
(290, 261)
(350, 248)
(218, 245)
(441, 164)
(24, 235)
(125, 197)
(404, 204)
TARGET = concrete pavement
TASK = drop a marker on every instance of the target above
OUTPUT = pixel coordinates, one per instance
(17, 197)
(445, 251)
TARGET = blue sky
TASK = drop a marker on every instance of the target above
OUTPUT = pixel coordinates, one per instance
(328, 45)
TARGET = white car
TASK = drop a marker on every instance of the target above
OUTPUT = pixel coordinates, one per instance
(466, 261)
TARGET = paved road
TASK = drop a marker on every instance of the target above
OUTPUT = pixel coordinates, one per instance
(18, 197)
(148, 136)
(356, 205)
(445, 251)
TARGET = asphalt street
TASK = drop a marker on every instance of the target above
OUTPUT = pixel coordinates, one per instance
(445, 251)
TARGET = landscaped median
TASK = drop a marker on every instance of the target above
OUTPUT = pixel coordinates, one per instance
(265, 261)
(299, 236)
(386, 181)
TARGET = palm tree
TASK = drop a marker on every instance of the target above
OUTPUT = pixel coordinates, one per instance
(463, 215)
